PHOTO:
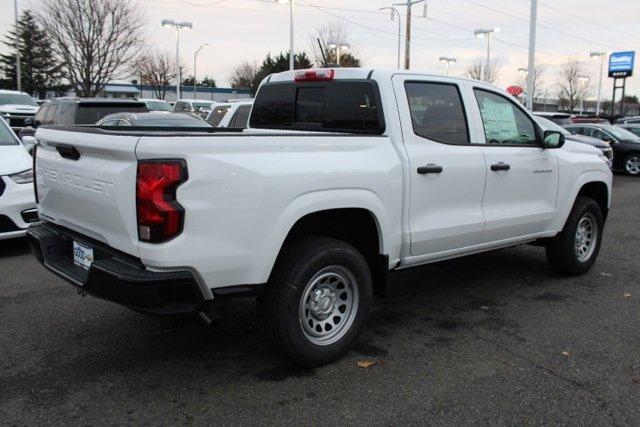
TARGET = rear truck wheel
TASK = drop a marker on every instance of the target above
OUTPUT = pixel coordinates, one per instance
(317, 300)
(632, 164)
(576, 248)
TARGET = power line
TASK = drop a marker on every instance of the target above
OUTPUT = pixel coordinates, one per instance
(519, 18)
(555, 9)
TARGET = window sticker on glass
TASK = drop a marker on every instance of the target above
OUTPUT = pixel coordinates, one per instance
(499, 120)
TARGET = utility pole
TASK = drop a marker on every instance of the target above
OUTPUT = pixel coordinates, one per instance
(407, 40)
(18, 62)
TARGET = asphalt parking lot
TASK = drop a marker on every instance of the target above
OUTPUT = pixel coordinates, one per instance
(493, 338)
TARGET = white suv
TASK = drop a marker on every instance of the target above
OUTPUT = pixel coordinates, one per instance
(17, 199)
(16, 107)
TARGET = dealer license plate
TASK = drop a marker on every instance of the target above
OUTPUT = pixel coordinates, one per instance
(82, 255)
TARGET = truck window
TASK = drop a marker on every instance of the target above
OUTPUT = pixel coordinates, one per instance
(503, 121)
(66, 113)
(241, 117)
(351, 106)
(218, 114)
(437, 113)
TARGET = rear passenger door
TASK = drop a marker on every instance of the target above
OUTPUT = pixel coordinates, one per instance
(447, 171)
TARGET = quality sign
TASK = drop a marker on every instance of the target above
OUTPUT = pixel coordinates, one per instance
(621, 64)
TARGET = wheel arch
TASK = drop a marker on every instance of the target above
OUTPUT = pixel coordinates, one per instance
(357, 217)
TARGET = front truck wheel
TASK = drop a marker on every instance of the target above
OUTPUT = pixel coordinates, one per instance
(317, 300)
(576, 248)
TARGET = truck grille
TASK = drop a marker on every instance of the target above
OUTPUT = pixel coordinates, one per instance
(17, 120)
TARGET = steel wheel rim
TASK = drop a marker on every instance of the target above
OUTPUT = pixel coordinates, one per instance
(632, 165)
(329, 305)
(586, 237)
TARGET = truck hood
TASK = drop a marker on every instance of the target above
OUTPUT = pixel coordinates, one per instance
(13, 159)
(18, 109)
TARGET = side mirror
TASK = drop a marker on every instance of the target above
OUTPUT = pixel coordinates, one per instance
(29, 121)
(553, 139)
(29, 142)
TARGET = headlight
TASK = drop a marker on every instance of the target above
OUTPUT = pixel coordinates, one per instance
(24, 177)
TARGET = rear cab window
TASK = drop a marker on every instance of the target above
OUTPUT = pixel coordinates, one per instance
(349, 106)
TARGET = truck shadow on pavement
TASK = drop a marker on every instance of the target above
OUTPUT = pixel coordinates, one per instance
(426, 310)
(13, 247)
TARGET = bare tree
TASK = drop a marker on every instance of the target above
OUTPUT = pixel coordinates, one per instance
(571, 87)
(476, 71)
(156, 69)
(538, 82)
(334, 33)
(244, 75)
(95, 40)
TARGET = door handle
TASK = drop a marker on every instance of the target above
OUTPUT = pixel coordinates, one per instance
(500, 166)
(430, 168)
(68, 151)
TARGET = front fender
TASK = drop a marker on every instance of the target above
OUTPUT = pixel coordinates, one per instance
(567, 198)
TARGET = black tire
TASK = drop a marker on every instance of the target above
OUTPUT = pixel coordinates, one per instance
(561, 250)
(304, 262)
(635, 159)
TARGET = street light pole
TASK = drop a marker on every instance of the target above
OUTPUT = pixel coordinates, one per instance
(483, 33)
(448, 61)
(291, 32)
(18, 61)
(532, 54)
(583, 80)
(395, 11)
(195, 65)
(407, 34)
(602, 56)
(178, 26)
(338, 47)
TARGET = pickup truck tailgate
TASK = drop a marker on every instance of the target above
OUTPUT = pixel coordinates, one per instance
(87, 182)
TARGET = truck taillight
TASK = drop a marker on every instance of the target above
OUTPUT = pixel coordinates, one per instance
(314, 75)
(160, 216)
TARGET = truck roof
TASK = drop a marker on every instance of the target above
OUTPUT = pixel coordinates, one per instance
(362, 73)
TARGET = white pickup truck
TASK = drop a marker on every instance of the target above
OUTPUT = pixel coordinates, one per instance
(344, 175)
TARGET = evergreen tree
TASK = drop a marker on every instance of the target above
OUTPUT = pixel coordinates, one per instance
(40, 70)
(278, 64)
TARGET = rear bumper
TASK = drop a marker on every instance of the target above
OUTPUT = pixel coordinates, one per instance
(114, 276)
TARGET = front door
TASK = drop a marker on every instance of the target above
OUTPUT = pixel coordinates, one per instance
(522, 177)
(447, 173)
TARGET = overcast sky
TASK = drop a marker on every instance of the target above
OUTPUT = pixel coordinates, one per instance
(248, 29)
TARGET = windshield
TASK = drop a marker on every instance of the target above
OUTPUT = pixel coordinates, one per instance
(7, 137)
(200, 106)
(549, 125)
(621, 133)
(16, 99)
(159, 106)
